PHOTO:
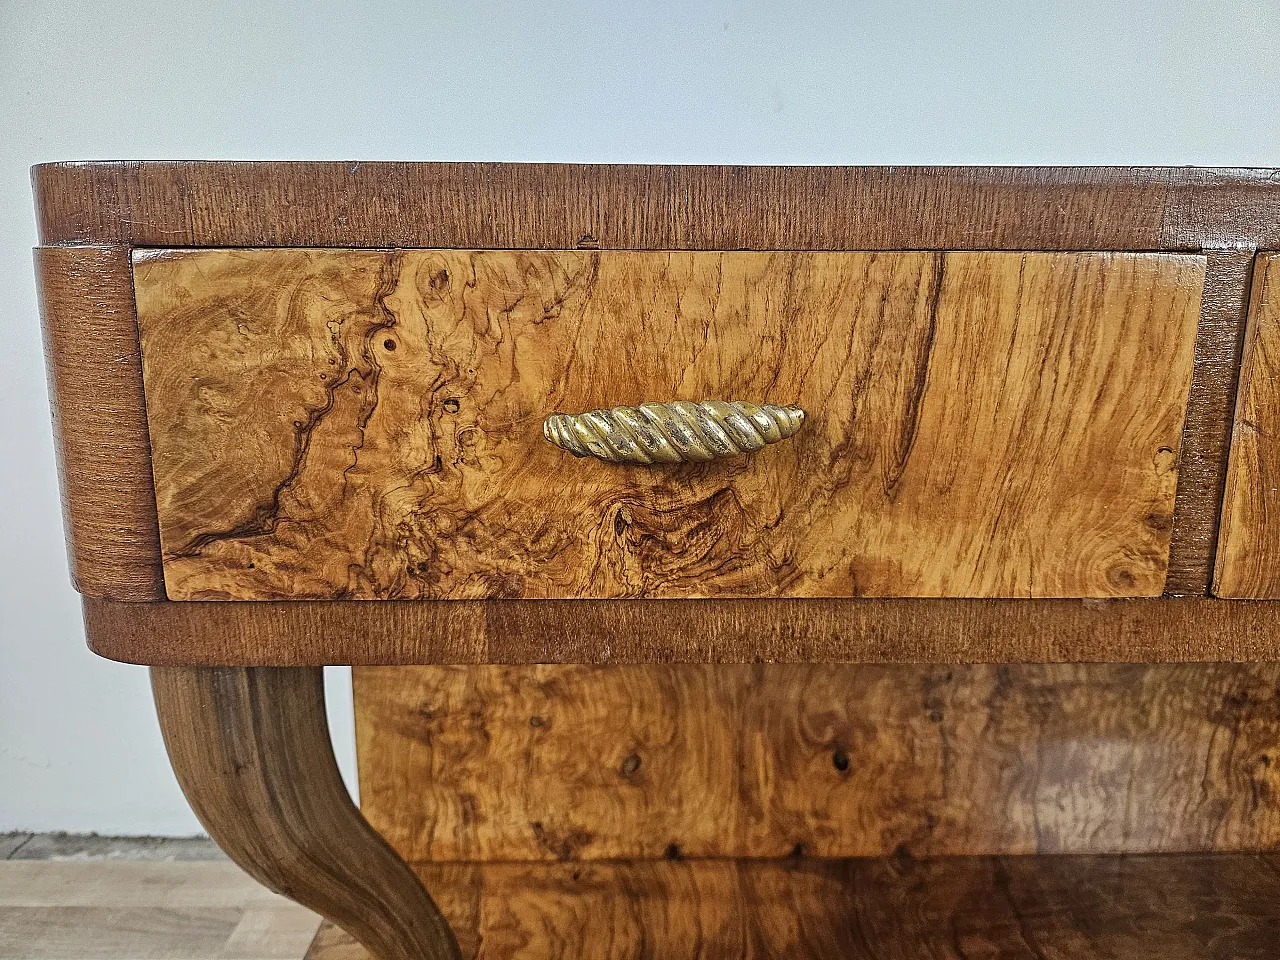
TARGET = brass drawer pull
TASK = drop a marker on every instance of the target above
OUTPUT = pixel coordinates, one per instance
(678, 432)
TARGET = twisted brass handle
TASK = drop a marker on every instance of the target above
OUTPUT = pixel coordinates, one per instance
(677, 432)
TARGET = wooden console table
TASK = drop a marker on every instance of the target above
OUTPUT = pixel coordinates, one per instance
(300, 406)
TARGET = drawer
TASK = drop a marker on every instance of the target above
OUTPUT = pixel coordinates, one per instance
(369, 424)
(1248, 560)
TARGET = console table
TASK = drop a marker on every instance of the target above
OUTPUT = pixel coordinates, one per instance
(395, 414)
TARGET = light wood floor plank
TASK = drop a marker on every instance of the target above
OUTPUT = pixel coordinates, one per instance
(113, 910)
(43, 883)
(108, 933)
(274, 932)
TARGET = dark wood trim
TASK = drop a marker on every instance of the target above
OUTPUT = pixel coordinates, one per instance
(1206, 435)
(505, 205)
(684, 631)
(99, 421)
(251, 750)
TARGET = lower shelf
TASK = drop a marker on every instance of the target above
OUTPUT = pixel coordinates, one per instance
(1158, 907)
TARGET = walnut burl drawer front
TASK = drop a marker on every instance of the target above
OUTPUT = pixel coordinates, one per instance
(368, 424)
(1248, 561)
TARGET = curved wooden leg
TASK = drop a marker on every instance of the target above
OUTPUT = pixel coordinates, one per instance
(250, 746)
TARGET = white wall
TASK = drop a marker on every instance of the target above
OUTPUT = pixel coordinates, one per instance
(1189, 82)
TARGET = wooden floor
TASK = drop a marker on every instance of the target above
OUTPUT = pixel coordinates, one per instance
(107, 900)
(1162, 907)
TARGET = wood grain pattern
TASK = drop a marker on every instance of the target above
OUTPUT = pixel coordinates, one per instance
(251, 750)
(332, 424)
(577, 763)
(99, 422)
(301, 633)
(1194, 907)
(98, 909)
(1249, 545)
(1206, 434)
(638, 207)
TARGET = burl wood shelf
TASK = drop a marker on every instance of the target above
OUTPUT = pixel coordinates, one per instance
(1162, 907)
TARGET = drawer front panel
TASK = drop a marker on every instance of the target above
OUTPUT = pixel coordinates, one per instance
(368, 424)
(1248, 561)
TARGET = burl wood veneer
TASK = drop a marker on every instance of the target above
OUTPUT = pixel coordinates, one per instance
(1195, 907)
(1249, 544)
(593, 763)
(366, 424)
